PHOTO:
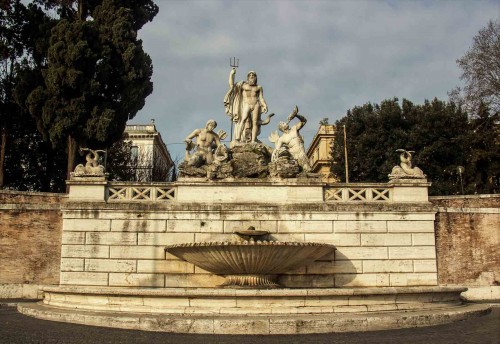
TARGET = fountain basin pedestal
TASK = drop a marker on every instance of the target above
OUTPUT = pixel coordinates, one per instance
(250, 281)
(250, 264)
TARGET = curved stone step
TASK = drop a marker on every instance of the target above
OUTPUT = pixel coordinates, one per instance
(264, 324)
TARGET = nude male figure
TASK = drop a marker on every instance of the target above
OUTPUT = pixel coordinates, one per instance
(206, 138)
(245, 104)
(292, 140)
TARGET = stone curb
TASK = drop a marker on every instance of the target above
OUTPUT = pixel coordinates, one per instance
(257, 325)
(15, 302)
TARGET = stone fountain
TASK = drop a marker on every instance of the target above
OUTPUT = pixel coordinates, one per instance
(316, 258)
(250, 263)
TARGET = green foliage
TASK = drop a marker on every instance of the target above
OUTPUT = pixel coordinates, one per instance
(79, 69)
(142, 11)
(439, 132)
(97, 77)
(119, 163)
(374, 132)
(482, 146)
(31, 164)
(11, 52)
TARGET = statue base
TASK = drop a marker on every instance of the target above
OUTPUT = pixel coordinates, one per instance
(247, 160)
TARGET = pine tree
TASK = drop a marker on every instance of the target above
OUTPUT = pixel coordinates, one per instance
(97, 76)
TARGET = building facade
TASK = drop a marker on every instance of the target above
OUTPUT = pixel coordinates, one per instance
(319, 152)
(152, 160)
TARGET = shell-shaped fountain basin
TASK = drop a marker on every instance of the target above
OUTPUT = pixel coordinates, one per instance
(250, 263)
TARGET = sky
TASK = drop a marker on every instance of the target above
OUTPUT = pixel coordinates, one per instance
(323, 56)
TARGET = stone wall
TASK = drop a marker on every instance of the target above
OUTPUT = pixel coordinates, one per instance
(468, 240)
(122, 243)
(30, 239)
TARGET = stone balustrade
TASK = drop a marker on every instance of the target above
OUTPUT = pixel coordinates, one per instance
(358, 193)
(248, 191)
(123, 192)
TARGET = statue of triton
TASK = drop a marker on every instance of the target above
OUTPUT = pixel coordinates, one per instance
(209, 148)
(291, 141)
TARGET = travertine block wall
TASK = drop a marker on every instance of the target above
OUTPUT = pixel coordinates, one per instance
(123, 244)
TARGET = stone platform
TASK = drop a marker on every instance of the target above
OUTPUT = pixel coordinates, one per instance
(233, 311)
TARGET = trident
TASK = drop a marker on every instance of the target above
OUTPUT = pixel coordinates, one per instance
(233, 62)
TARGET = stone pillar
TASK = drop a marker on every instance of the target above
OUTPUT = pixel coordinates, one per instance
(410, 190)
(87, 189)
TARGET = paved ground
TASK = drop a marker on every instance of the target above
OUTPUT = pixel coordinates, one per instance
(18, 328)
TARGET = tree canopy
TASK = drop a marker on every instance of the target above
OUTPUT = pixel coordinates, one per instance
(439, 132)
(97, 76)
(481, 71)
(26, 161)
(78, 68)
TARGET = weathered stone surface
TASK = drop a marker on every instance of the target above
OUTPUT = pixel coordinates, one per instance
(284, 167)
(220, 171)
(30, 237)
(279, 324)
(467, 239)
(192, 171)
(251, 160)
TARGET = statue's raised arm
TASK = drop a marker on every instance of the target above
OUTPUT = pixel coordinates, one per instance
(295, 114)
(232, 99)
(232, 73)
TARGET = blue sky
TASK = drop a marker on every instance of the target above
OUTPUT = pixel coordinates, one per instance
(323, 56)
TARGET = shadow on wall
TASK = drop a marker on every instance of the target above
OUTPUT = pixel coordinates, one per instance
(334, 270)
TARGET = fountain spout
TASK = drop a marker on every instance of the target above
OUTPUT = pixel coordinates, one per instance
(251, 234)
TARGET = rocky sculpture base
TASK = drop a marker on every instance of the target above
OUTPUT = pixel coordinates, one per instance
(284, 167)
(250, 160)
(214, 171)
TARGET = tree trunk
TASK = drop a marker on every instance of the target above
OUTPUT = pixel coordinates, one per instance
(45, 179)
(71, 158)
(82, 9)
(3, 145)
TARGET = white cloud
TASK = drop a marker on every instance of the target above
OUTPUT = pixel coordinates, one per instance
(324, 56)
